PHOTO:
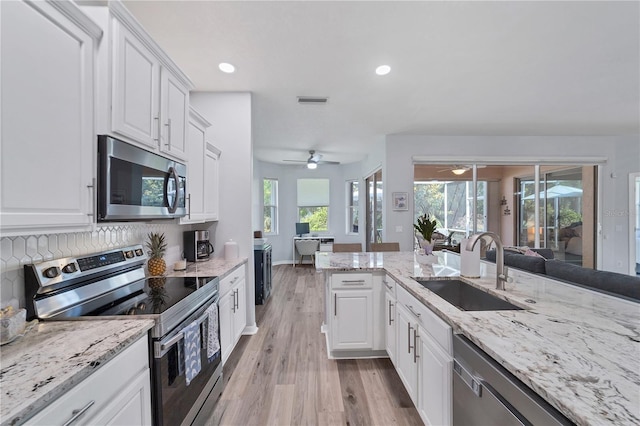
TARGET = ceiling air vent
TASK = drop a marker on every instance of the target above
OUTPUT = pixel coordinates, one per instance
(317, 100)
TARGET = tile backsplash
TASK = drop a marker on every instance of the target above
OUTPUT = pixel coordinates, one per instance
(15, 252)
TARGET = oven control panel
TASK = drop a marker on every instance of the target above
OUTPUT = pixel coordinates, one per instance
(58, 271)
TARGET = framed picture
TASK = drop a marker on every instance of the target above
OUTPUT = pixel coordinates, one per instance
(400, 201)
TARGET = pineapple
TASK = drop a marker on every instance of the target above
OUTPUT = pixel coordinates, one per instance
(156, 245)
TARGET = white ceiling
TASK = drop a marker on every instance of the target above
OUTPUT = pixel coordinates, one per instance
(460, 68)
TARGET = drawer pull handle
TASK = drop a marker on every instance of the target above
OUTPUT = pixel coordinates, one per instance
(390, 318)
(415, 346)
(390, 287)
(78, 413)
(353, 282)
(417, 314)
(409, 328)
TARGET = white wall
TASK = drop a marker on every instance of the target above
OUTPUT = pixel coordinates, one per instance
(621, 155)
(230, 115)
(287, 176)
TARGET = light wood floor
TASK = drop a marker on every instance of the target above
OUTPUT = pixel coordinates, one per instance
(282, 376)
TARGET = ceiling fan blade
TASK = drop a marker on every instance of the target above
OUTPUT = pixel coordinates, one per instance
(327, 162)
(296, 161)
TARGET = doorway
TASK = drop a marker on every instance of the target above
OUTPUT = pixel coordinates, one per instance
(374, 209)
(634, 223)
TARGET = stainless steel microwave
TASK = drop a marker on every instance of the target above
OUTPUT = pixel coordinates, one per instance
(134, 184)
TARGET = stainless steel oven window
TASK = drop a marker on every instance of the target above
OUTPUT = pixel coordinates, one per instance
(174, 400)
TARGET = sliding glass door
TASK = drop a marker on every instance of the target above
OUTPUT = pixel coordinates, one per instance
(566, 219)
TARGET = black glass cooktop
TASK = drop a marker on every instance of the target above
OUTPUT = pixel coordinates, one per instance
(153, 296)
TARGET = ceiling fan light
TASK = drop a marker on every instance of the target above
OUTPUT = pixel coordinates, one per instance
(311, 165)
(458, 171)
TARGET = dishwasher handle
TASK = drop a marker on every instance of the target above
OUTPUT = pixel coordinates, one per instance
(474, 383)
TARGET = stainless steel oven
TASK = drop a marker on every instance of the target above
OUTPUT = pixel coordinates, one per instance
(134, 184)
(112, 285)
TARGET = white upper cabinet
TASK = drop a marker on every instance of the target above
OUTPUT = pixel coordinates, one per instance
(135, 89)
(47, 148)
(174, 97)
(202, 173)
(143, 96)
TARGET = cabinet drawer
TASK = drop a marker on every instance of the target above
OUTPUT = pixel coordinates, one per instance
(326, 247)
(389, 284)
(99, 389)
(428, 321)
(357, 280)
(227, 283)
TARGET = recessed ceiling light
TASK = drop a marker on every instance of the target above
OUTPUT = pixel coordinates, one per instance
(225, 67)
(383, 70)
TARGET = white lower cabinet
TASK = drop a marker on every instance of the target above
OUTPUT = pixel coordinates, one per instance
(351, 325)
(232, 310)
(118, 393)
(434, 381)
(424, 358)
(354, 323)
(406, 361)
(389, 309)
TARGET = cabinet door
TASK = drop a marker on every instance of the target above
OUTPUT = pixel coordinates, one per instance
(434, 382)
(406, 361)
(211, 182)
(240, 313)
(390, 325)
(352, 320)
(226, 312)
(132, 406)
(136, 87)
(175, 106)
(195, 172)
(47, 134)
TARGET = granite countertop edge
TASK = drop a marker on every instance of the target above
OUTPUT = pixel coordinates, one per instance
(23, 398)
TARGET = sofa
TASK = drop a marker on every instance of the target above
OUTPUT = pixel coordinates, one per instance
(543, 263)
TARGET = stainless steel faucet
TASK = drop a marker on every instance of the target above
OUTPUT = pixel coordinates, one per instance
(501, 270)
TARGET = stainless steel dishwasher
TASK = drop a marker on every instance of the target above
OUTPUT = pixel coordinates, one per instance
(485, 393)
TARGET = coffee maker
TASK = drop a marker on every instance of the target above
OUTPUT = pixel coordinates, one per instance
(197, 247)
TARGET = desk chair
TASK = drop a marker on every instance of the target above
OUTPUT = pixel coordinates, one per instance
(347, 248)
(307, 248)
(385, 246)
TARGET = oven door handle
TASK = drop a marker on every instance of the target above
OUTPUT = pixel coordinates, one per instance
(162, 347)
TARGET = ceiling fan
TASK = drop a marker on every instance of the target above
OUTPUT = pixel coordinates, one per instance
(313, 160)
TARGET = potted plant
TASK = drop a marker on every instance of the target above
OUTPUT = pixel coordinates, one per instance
(425, 229)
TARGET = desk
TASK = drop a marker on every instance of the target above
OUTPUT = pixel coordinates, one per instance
(326, 244)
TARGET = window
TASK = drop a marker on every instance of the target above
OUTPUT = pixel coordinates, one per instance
(352, 207)
(270, 206)
(313, 203)
(450, 202)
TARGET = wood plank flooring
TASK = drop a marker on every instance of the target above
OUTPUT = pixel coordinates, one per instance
(282, 376)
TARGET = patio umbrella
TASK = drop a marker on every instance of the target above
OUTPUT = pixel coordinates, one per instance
(558, 191)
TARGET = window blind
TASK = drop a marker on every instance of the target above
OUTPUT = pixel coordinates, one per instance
(313, 192)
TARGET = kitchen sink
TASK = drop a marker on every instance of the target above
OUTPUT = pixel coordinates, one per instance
(466, 297)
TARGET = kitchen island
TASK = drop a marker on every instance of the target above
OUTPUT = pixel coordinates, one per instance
(579, 350)
(53, 357)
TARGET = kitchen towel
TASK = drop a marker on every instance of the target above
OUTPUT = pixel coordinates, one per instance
(191, 351)
(213, 343)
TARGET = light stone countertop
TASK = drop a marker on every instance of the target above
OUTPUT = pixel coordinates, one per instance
(54, 356)
(578, 349)
(214, 267)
